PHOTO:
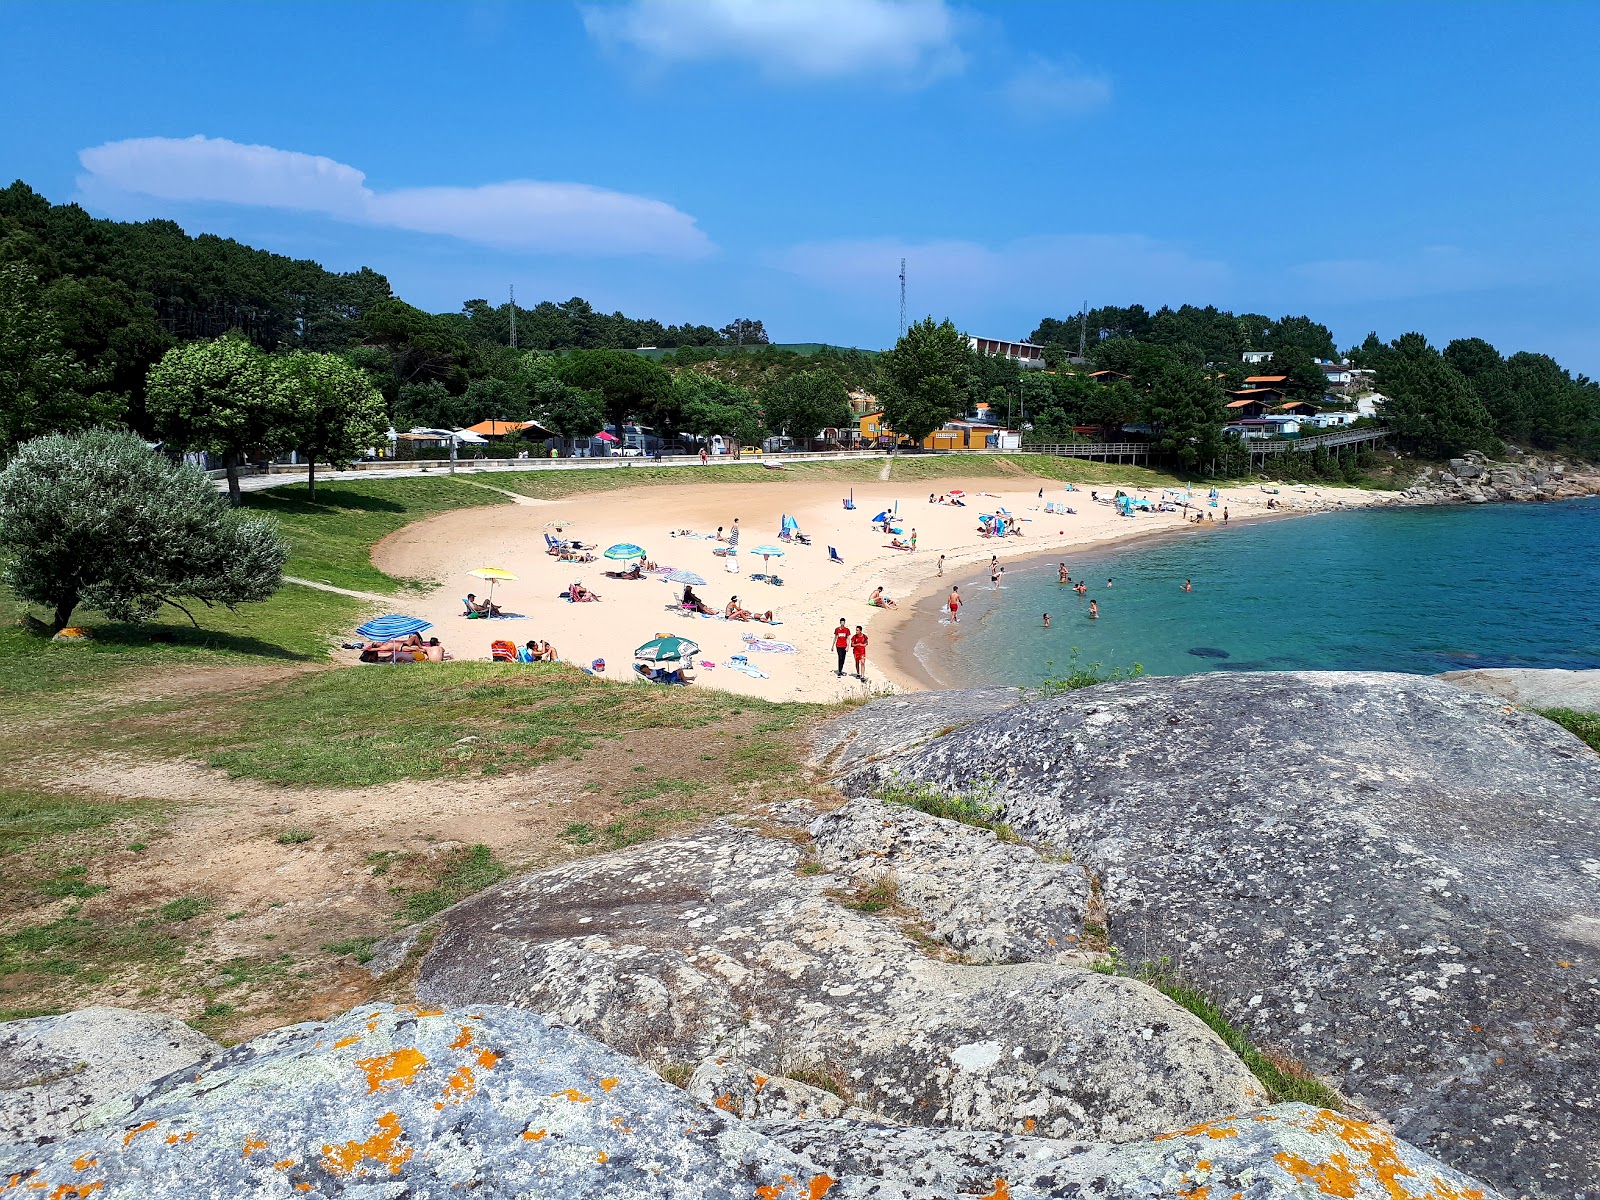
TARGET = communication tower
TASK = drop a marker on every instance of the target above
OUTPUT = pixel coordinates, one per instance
(902, 297)
(513, 316)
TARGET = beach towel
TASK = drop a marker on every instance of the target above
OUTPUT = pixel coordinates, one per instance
(743, 665)
(767, 645)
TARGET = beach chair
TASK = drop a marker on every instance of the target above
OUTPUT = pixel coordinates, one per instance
(833, 556)
(502, 651)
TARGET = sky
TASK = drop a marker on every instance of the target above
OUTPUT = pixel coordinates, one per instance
(1382, 167)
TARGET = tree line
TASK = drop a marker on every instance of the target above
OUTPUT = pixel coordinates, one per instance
(1468, 396)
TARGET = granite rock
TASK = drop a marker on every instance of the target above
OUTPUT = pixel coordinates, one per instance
(1391, 880)
(1287, 1151)
(54, 1071)
(416, 1103)
(739, 943)
(1534, 687)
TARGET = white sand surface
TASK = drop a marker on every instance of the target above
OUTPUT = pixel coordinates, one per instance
(814, 594)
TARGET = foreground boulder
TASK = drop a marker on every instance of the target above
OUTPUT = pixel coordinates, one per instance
(1392, 880)
(793, 953)
(56, 1070)
(501, 1104)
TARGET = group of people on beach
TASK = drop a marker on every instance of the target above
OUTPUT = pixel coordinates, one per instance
(410, 648)
(855, 643)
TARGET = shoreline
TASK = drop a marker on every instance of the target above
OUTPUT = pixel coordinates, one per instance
(816, 592)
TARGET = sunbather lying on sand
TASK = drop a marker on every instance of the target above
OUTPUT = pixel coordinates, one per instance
(579, 594)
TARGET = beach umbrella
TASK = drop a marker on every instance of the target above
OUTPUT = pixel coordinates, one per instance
(883, 516)
(493, 575)
(770, 551)
(688, 577)
(955, 492)
(667, 649)
(383, 629)
(623, 551)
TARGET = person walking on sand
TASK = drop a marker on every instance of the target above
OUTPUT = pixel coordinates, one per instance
(858, 647)
(941, 566)
(1094, 611)
(841, 643)
(955, 603)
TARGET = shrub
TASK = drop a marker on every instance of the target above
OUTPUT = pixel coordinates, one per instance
(96, 518)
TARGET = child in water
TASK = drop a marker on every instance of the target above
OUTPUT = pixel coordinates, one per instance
(1094, 611)
(1047, 620)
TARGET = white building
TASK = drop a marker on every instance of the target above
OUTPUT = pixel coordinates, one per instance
(1256, 356)
(1026, 353)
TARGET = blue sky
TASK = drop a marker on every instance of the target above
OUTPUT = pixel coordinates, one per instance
(1380, 166)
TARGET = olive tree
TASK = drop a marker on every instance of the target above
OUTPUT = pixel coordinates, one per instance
(98, 519)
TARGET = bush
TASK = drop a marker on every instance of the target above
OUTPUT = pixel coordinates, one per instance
(97, 519)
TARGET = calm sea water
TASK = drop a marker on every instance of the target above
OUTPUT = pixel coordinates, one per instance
(1420, 589)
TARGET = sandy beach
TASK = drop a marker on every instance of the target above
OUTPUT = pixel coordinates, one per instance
(815, 592)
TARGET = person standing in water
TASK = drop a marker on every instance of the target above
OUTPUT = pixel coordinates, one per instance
(1061, 574)
(1094, 611)
(1108, 583)
(1047, 620)
(941, 565)
(1224, 514)
(1187, 586)
(955, 603)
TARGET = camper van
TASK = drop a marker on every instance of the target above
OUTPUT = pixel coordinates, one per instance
(635, 441)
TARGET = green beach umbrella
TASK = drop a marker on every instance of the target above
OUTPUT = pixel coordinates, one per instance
(623, 551)
(666, 649)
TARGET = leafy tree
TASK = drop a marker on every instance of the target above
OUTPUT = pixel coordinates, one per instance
(333, 412)
(1305, 380)
(744, 332)
(1473, 357)
(628, 384)
(429, 406)
(44, 387)
(802, 405)
(1184, 409)
(97, 519)
(220, 397)
(925, 378)
(1432, 407)
(568, 410)
(709, 406)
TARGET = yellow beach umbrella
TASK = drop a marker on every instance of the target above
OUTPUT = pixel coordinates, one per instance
(491, 574)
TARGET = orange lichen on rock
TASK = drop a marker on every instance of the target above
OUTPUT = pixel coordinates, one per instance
(83, 1162)
(819, 1186)
(608, 1083)
(1374, 1158)
(283, 1164)
(75, 1191)
(726, 1104)
(459, 1086)
(398, 1067)
(417, 1010)
(572, 1094)
(534, 1135)
(602, 1157)
(347, 1041)
(462, 1039)
(487, 1059)
(136, 1131)
(1211, 1129)
(382, 1148)
(251, 1145)
(1002, 1191)
(1027, 1125)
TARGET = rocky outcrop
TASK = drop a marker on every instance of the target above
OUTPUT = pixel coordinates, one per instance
(1389, 879)
(792, 952)
(499, 1103)
(1533, 687)
(55, 1071)
(1474, 479)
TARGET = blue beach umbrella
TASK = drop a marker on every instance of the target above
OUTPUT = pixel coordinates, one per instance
(688, 577)
(386, 628)
(623, 551)
(772, 551)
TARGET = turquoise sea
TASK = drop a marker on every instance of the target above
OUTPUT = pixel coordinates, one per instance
(1415, 589)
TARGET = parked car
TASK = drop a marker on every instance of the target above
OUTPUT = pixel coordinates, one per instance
(629, 452)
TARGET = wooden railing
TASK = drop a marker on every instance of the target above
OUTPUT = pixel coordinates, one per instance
(1117, 450)
(1341, 437)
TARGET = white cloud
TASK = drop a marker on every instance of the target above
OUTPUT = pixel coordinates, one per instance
(524, 214)
(1044, 274)
(1045, 88)
(907, 40)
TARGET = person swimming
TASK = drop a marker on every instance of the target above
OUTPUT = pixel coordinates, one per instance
(1094, 611)
(1187, 586)
(1047, 620)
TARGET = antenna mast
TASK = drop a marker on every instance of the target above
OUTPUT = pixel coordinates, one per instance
(902, 297)
(513, 316)
(1083, 328)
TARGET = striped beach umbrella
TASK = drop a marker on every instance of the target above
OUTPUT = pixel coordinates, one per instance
(386, 628)
(688, 577)
(623, 551)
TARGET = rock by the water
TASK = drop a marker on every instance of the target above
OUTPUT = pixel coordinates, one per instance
(1534, 687)
(1208, 652)
(905, 721)
(739, 943)
(1289, 1150)
(1392, 880)
(54, 1071)
(391, 1102)
(408, 1103)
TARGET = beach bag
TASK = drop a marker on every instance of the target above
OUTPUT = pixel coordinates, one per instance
(502, 651)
